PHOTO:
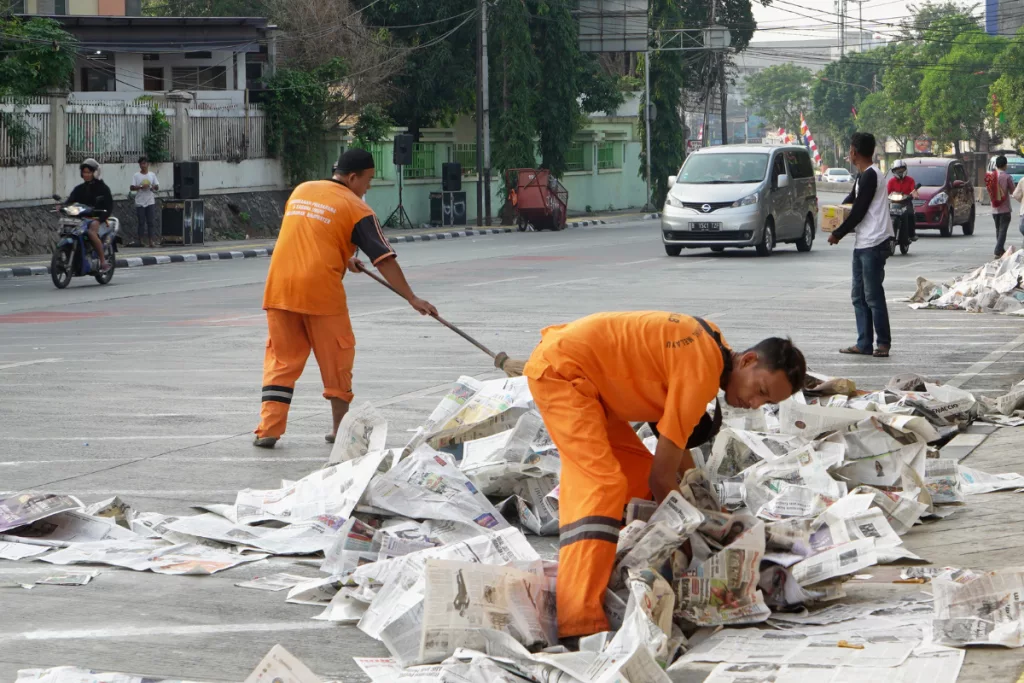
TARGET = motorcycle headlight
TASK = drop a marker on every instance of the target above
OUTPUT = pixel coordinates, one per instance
(73, 210)
(939, 199)
(674, 202)
(746, 201)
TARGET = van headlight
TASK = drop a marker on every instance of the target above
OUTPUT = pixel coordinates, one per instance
(674, 202)
(746, 201)
(939, 199)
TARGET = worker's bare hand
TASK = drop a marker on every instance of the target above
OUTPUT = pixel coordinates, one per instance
(833, 240)
(355, 265)
(423, 306)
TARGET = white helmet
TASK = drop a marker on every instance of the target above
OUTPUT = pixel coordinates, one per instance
(899, 167)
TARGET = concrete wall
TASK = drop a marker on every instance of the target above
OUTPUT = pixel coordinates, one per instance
(25, 184)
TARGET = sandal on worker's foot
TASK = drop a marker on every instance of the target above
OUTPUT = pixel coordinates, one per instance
(882, 352)
(265, 441)
(329, 438)
(854, 351)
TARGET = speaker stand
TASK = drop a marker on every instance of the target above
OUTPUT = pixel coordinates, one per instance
(399, 212)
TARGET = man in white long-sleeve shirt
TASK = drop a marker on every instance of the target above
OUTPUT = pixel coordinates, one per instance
(869, 219)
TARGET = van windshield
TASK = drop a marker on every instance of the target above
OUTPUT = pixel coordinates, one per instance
(741, 167)
(1015, 167)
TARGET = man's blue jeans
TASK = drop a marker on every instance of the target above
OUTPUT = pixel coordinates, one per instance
(869, 297)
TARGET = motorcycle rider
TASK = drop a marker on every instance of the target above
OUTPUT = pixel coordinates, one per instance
(95, 194)
(902, 182)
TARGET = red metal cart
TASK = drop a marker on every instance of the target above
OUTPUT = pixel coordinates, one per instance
(538, 198)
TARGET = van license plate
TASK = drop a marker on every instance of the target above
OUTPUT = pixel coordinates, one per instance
(705, 227)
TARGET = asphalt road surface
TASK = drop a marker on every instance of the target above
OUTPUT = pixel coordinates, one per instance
(149, 388)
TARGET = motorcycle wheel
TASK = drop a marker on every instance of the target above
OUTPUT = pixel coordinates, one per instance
(60, 268)
(892, 247)
(904, 249)
(104, 278)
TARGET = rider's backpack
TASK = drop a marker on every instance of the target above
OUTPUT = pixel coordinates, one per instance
(996, 193)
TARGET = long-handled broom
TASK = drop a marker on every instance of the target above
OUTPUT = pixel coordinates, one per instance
(510, 366)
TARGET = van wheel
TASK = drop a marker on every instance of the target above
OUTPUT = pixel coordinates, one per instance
(673, 249)
(767, 245)
(806, 240)
(946, 230)
(969, 225)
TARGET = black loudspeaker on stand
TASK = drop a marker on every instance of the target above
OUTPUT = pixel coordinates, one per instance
(186, 180)
(451, 176)
(447, 208)
(402, 157)
(183, 222)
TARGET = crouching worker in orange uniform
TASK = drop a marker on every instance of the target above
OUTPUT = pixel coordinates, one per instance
(325, 222)
(590, 379)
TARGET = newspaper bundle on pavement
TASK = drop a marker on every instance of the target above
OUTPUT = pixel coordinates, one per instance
(363, 430)
(979, 608)
(993, 288)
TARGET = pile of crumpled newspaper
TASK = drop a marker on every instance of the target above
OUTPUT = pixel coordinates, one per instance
(424, 546)
(993, 288)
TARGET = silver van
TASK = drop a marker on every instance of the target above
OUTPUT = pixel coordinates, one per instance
(741, 196)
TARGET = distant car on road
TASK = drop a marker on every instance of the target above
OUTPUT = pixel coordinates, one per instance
(946, 194)
(836, 175)
(741, 196)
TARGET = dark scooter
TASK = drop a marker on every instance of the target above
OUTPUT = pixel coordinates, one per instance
(74, 255)
(901, 210)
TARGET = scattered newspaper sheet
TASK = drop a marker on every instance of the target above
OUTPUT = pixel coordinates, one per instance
(275, 582)
(941, 666)
(461, 391)
(848, 558)
(150, 555)
(280, 666)
(67, 579)
(20, 551)
(942, 480)
(300, 538)
(975, 481)
(979, 608)
(363, 430)
(428, 485)
(462, 598)
(331, 492)
(74, 526)
(495, 407)
(25, 508)
(496, 463)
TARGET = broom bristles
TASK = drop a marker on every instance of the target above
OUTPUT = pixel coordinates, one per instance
(510, 366)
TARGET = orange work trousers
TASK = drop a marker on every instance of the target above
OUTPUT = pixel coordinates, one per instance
(291, 336)
(604, 465)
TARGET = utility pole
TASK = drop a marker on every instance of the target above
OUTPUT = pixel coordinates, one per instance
(486, 107)
(479, 123)
(841, 12)
(647, 123)
(711, 85)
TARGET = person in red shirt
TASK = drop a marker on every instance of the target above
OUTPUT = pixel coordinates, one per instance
(903, 183)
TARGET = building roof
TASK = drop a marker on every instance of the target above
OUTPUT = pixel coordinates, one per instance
(167, 34)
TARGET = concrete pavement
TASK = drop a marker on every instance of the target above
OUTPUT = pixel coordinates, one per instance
(149, 388)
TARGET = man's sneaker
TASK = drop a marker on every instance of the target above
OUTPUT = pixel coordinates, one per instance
(265, 441)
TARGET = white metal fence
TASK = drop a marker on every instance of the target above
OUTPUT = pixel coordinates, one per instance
(24, 132)
(228, 134)
(110, 133)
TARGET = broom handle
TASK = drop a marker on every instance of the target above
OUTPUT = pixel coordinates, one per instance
(435, 316)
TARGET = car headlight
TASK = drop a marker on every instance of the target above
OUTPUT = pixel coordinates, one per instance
(746, 201)
(674, 202)
(939, 199)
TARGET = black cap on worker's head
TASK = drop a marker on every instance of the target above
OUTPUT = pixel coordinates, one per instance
(355, 161)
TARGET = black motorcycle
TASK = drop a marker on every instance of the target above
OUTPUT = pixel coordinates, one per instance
(74, 255)
(901, 210)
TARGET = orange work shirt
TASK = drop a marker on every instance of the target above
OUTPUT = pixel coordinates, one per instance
(324, 224)
(648, 366)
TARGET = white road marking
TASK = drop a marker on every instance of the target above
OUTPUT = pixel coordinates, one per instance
(494, 282)
(378, 312)
(167, 458)
(8, 366)
(150, 437)
(188, 495)
(633, 263)
(568, 282)
(979, 367)
(135, 631)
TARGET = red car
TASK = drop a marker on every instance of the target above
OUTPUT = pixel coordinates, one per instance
(946, 194)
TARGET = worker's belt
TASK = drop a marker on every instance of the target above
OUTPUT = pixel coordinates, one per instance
(592, 528)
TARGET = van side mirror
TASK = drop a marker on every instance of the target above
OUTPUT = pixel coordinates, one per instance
(782, 181)
(672, 181)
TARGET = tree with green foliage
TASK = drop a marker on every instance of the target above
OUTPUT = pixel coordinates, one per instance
(955, 94)
(37, 55)
(298, 107)
(557, 111)
(901, 90)
(839, 88)
(928, 19)
(514, 76)
(204, 8)
(374, 125)
(779, 94)
(668, 80)
(1006, 101)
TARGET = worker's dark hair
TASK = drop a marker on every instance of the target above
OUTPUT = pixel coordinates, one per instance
(864, 143)
(1000, 161)
(143, 160)
(776, 353)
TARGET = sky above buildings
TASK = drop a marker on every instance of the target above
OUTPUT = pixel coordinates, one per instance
(795, 19)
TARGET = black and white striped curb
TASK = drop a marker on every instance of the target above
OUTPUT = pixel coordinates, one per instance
(586, 223)
(448, 235)
(139, 261)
